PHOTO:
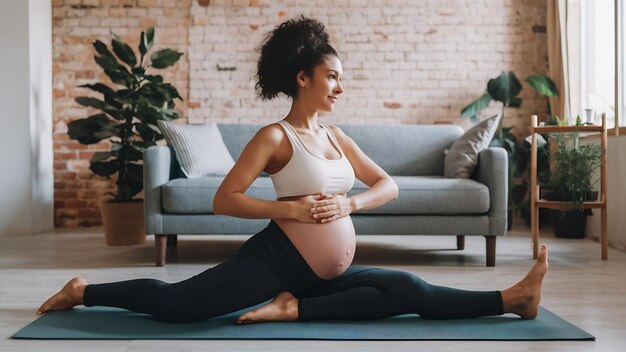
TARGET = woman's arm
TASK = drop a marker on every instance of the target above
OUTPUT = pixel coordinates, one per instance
(230, 198)
(383, 191)
(382, 187)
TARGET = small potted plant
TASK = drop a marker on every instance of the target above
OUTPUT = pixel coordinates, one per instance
(573, 181)
(128, 120)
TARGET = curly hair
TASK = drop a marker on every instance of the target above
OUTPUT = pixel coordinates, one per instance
(295, 45)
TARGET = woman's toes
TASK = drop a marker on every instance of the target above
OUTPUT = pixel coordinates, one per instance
(242, 319)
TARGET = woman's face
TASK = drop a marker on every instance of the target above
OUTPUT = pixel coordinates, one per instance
(322, 90)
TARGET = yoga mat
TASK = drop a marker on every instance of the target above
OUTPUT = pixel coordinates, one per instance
(119, 324)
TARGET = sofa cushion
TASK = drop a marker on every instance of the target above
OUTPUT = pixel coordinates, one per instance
(195, 196)
(418, 195)
(432, 195)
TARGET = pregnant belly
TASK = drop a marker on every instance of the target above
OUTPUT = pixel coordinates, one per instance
(327, 248)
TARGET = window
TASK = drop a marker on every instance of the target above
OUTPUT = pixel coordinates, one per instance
(591, 54)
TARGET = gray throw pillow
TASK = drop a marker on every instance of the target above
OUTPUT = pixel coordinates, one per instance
(462, 157)
(200, 149)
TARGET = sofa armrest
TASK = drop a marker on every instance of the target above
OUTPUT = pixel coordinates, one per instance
(156, 172)
(493, 171)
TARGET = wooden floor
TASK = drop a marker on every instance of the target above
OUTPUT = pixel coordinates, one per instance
(579, 287)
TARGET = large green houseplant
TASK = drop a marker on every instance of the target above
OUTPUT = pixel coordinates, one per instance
(573, 181)
(128, 120)
(505, 89)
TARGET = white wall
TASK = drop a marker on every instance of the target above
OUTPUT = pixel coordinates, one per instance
(26, 180)
(616, 196)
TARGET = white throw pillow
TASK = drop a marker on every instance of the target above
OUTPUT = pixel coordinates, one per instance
(200, 149)
(462, 157)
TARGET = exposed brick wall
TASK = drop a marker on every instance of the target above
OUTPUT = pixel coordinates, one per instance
(412, 61)
(404, 61)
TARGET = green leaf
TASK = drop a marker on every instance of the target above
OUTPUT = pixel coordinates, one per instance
(164, 58)
(116, 72)
(142, 44)
(102, 49)
(543, 85)
(100, 88)
(92, 129)
(553, 120)
(504, 88)
(141, 146)
(173, 91)
(475, 107)
(124, 51)
(146, 40)
(112, 101)
(91, 102)
(100, 105)
(156, 93)
(149, 38)
(115, 146)
(101, 156)
(147, 114)
(131, 154)
(106, 168)
(146, 133)
(153, 78)
(138, 70)
(515, 103)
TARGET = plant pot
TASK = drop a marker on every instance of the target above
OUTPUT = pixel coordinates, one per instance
(123, 222)
(570, 224)
(548, 194)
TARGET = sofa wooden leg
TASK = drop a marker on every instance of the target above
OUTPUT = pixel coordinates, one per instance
(160, 242)
(460, 242)
(491, 250)
(172, 240)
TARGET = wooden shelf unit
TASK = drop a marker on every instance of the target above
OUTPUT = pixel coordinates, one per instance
(537, 203)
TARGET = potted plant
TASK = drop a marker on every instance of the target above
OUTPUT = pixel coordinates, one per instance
(573, 181)
(128, 120)
(506, 89)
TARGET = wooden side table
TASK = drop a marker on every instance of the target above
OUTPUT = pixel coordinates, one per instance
(536, 202)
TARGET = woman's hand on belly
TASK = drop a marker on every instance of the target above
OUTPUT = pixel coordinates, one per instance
(332, 207)
(302, 207)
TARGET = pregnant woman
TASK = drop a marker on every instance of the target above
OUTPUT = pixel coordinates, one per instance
(302, 258)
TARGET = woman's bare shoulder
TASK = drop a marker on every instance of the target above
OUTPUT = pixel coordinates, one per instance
(344, 140)
(272, 134)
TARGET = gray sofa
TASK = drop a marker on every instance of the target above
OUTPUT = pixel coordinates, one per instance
(413, 155)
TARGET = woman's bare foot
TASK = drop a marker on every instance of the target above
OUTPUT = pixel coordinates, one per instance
(284, 307)
(523, 297)
(70, 295)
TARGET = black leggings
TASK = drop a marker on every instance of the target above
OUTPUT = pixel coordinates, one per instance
(269, 263)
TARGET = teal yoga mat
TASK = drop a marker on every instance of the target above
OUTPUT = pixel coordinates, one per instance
(119, 324)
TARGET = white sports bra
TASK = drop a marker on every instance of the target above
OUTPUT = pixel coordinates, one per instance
(307, 173)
